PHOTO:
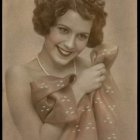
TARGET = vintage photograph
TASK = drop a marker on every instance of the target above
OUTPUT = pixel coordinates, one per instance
(69, 70)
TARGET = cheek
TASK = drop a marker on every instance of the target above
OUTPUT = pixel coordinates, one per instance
(81, 47)
(55, 38)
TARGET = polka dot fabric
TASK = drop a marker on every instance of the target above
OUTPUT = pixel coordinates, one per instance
(93, 118)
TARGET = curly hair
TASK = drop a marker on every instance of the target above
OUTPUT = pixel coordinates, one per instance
(47, 12)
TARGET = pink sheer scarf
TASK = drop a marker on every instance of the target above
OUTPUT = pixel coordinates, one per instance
(94, 118)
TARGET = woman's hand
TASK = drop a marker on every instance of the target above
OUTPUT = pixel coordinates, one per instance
(89, 80)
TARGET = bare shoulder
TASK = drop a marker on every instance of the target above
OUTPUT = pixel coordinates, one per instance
(18, 94)
(19, 72)
(22, 72)
(17, 82)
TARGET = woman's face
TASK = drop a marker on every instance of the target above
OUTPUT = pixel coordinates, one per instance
(68, 37)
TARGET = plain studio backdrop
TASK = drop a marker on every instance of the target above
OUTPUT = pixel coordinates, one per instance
(21, 44)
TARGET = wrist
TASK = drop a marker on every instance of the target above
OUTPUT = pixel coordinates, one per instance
(78, 91)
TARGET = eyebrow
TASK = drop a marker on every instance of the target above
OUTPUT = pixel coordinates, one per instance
(70, 29)
(64, 26)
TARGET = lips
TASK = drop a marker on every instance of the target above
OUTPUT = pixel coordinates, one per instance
(64, 52)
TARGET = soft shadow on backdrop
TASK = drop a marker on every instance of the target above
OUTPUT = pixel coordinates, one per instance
(21, 44)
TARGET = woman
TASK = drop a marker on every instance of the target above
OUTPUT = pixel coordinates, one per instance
(58, 95)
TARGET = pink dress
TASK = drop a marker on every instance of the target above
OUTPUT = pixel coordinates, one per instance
(94, 118)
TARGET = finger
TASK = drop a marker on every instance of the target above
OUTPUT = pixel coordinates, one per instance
(99, 59)
(99, 66)
(102, 78)
(98, 80)
(98, 85)
(101, 72)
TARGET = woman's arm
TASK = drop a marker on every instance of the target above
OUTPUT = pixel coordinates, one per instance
(51, 132)
(19, 99)
(26, 119)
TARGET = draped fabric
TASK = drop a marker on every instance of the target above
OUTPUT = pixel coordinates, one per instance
(94, 117)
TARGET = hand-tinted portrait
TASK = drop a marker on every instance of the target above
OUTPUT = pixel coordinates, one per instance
(69, 70)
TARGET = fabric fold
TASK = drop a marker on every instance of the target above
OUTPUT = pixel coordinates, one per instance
(53, 99)
(103, 103)
(94, 118)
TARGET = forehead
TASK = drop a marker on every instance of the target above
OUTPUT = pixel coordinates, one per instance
(74, 21)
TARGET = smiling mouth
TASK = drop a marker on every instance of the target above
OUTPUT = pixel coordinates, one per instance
(63, 52)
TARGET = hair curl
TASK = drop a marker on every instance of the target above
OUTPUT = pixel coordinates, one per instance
(47, 12)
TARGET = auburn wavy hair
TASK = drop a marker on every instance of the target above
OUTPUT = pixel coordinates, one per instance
(47, 12)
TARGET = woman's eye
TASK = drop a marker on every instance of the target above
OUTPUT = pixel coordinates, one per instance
(83, 37)
(63, 30)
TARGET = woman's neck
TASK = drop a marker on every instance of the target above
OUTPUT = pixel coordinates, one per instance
(52, 67)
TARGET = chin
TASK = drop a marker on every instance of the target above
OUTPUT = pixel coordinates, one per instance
(62, 61)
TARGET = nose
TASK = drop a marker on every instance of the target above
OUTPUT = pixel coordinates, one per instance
(70, 42)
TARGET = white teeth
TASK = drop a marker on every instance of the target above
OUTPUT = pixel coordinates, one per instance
(63, 52)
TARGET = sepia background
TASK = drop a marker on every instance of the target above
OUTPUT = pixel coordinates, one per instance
(21, 44)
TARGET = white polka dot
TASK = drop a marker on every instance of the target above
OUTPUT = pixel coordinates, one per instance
(107, 91)
(61, 81)
(47, 109)
(70, 108)
(109, 87)
(72, 112)
(93, 127)
(42, 110)
(109, 138)
(89, 110)
(109, 106)
(112, 91)
(114, 105)
(73, 131)
(65, 97)
(58, 85)
(108, 118)
(43, 106)
(68, 100)
(110, 122)
(66, 112)
(87, 127)
(62, 85)
(78, 130)
(87, 106)
(63, 100)
(113, 134)
(76, 126)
